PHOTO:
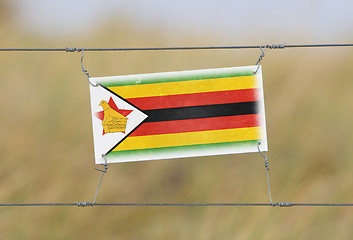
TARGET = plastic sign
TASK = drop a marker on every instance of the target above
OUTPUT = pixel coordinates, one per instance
(178, 114)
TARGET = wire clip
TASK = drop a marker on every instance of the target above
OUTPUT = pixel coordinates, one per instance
(260, 59)
(263, 48)
(86, 72)
(68, 49)
(105, 164)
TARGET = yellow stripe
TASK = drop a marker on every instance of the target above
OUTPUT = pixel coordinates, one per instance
(184, 87)
(191, 138)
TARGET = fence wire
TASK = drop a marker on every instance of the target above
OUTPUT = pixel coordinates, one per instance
(268, 46)
(89, 204)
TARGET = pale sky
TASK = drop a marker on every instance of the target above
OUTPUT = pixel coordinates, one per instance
(314, 20)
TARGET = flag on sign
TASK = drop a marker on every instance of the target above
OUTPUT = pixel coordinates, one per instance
(178, 114)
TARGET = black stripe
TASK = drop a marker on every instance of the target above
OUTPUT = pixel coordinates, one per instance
(206, 111)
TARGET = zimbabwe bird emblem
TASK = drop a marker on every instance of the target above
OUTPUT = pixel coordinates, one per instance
(113, 119)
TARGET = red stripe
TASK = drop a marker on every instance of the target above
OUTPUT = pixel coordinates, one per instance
(196, 99)
(194, 125)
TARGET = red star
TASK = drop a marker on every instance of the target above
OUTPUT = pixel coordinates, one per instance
(112, 104)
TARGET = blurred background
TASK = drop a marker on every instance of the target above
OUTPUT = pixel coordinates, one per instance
(46, 139)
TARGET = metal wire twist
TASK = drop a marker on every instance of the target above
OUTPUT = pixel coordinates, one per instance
(84, 204)
(263, 154)
(260, 59)
(103, 173)
(67, 49)
(82, 67)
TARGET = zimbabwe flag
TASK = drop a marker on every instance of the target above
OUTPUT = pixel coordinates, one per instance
(180, 114)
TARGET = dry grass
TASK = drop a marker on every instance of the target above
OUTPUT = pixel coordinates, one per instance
(47, 152)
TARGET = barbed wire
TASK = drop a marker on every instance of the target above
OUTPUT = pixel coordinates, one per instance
(89, 204)
(271, 46)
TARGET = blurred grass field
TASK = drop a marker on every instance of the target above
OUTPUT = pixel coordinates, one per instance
(47, 146)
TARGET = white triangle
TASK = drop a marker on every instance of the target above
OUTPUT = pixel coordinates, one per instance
(103, 143)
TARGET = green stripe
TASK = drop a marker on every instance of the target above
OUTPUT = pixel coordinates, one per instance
(173, 76)
(200, 147)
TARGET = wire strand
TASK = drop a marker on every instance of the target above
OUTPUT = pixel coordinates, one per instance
(272, 46)
(87, 204)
